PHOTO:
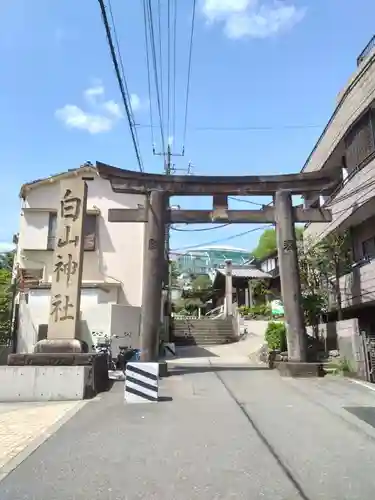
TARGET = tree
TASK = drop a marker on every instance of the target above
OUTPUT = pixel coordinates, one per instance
(6, 265)
(197, 295)
(267, 243)
(174, 272)
(321, 264)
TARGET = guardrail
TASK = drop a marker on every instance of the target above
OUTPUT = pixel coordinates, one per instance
(366, 51)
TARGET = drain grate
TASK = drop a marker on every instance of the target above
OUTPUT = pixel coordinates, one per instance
(364, 413)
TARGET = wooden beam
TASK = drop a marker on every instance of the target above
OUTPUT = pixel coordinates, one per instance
(128, 181)
(220, 207)
(264, 216)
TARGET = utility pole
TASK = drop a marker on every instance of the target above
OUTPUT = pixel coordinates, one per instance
(169, 169)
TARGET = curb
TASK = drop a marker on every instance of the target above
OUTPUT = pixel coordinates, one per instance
(14, 462)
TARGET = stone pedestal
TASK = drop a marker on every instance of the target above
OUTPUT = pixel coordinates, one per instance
(163, 369)
(299, 369)
(58, 346)
(53, 376)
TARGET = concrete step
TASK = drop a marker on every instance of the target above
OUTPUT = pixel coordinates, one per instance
(202, 334)
(203, 341)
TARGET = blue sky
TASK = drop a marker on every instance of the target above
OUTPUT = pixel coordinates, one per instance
(255, 64)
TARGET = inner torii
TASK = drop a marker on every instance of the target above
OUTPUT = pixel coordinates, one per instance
(159, 188)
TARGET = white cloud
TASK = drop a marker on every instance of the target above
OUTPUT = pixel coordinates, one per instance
(91, 94)
(74, 117)
(113, 108)
(102, 115)
(135, 102)
(252, 18)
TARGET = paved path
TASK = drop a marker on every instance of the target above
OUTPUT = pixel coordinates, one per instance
(228, 433)
(21, 424)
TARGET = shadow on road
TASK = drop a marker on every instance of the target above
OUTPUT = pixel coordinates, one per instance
(194, 351)
(182, 370)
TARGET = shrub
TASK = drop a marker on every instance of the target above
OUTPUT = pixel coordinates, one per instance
(275, 336)
(260, 311)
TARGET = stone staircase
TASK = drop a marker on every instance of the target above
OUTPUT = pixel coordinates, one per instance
(203, 331)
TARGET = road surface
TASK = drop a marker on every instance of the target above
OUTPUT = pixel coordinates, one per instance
(220, 433)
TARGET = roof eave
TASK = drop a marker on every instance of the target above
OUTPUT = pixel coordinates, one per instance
(25, 188)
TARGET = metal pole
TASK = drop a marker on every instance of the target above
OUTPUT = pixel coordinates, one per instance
(152, 277)
(289, 277)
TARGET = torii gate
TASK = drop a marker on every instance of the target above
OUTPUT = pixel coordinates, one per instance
(159, 188)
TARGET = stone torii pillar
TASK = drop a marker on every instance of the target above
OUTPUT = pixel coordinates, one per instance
(228, 289)
(153, 273)
(289, 277)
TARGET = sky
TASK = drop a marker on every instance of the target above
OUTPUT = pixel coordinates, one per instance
(269, 71)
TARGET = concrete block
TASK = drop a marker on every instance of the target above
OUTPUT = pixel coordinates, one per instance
(45, 383)
(142, 382)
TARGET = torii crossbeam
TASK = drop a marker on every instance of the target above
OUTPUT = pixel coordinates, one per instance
(158, 188)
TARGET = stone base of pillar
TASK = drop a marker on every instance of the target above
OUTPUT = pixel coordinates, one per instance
(54, 376)
(59, 346)
(163, 369)
(299, 369)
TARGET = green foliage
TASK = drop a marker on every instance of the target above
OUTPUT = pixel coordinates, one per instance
(321, 264)
(340, 367)
(260, 311)
(275, 336)
(267, 243)
(259, 289)
(195, 297)
(5, 303)
(174, 272)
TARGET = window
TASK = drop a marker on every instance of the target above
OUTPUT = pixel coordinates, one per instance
(89, 231)
(359, 141)
(368, 248)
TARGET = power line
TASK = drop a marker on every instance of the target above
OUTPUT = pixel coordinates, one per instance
(249, 128)
(200, 229)
(122, 85)
(241, 200)
(148, 70)
(189, 73)
(154, 60)
(221, 240)
(174, 68)
(161, 59)
(168, 64)
(256, 128)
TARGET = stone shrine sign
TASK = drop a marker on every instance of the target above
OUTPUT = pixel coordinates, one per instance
(68, 261)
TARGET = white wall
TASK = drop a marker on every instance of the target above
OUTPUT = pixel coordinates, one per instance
(100, 315)
(118, 257)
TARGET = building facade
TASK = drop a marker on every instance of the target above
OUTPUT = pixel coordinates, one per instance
(111, 293)
(347, 147)
(205, 260)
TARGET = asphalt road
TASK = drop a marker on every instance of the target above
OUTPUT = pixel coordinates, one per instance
(226, 434)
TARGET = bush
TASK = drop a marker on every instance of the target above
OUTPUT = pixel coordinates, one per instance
(275, 336)
(260, 311)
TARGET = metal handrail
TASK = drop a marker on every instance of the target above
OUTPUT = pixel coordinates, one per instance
(366, 51)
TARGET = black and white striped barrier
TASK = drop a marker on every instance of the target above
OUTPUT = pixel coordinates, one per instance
(142, 382)
(169, 350)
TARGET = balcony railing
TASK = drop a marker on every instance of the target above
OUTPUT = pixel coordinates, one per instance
(366, 51)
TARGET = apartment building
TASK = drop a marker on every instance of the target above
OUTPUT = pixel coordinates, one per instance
(111, 293)
(347, 147)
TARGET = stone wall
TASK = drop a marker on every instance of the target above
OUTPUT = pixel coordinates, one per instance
(345, 337)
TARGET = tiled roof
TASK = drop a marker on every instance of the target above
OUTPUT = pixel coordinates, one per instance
(246, 272)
